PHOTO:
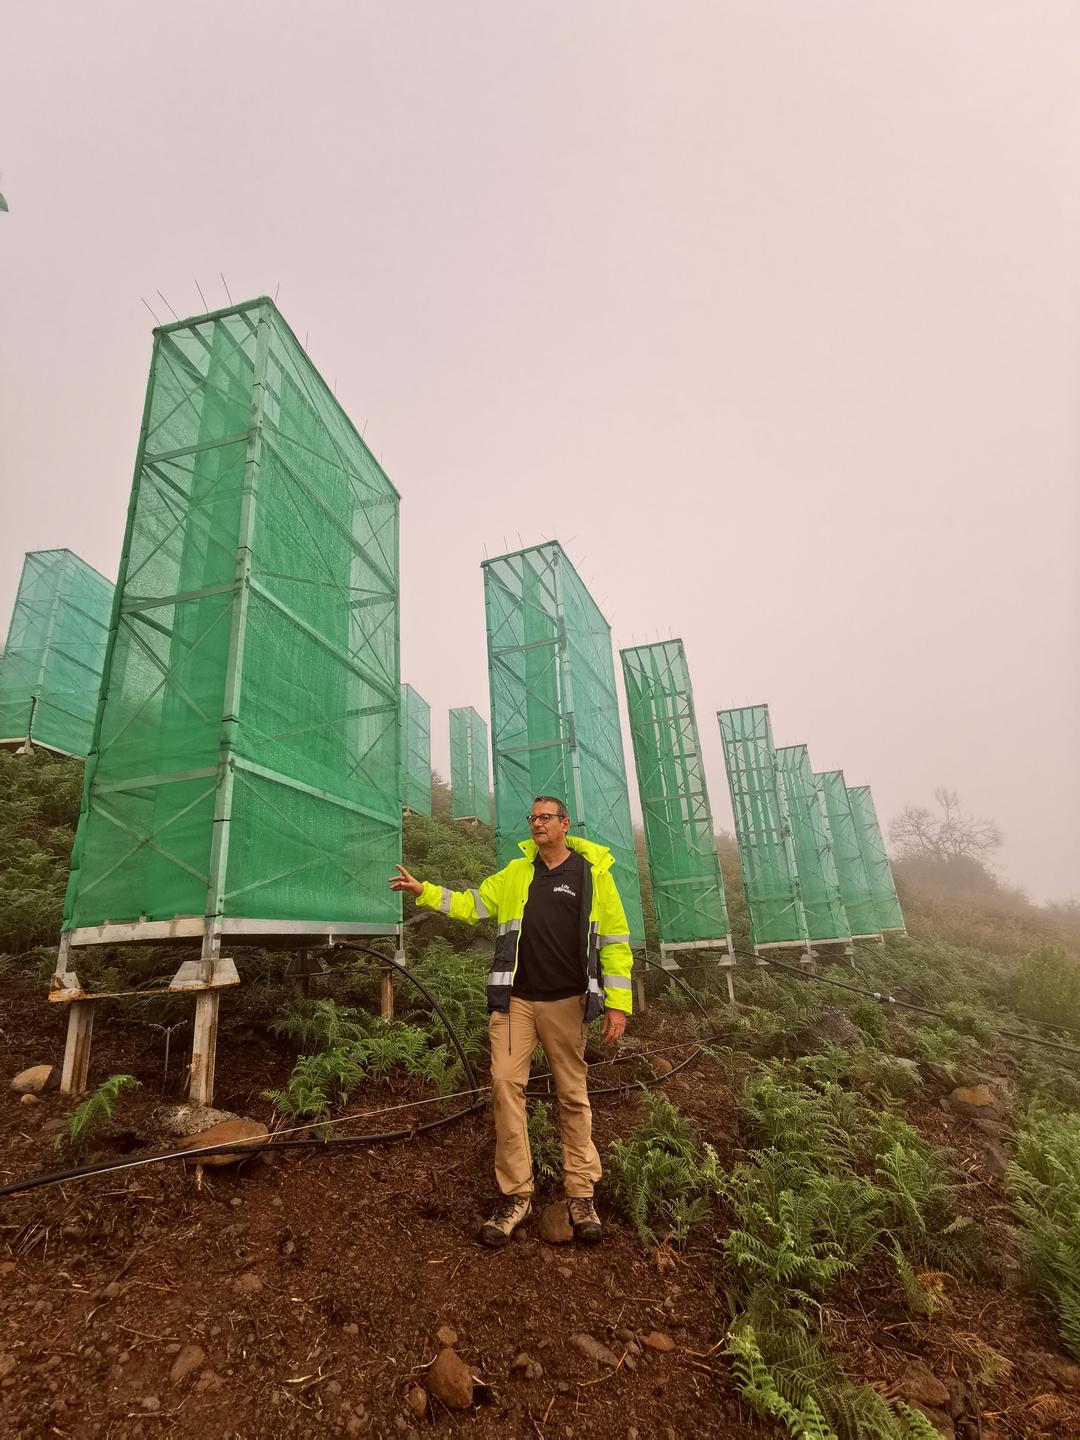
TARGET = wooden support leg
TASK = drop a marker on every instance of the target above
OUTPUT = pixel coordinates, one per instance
(730, 985)
(204, 1047)
(77, 1050)
(386, 993)
(639, 994)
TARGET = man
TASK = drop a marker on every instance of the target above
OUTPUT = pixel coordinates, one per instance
(562, 936)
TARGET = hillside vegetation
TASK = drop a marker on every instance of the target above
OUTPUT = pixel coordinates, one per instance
(882, 1194)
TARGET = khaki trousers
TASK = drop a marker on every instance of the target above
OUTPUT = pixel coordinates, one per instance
(558, 1025)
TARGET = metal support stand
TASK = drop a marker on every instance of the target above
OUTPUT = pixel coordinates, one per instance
(726, 960)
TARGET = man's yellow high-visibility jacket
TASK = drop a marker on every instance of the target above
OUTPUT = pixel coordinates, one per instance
(606, 957)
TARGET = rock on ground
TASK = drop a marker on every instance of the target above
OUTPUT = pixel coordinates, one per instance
(251, 1131)
(554, 1224)
(190, 1358)
(181, 1120)
(594, 1350)
(36, 1079)
(658, 1340)
(976, 1102)
(450, 1380)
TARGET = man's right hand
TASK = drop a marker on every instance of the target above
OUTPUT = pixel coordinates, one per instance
(404, 881)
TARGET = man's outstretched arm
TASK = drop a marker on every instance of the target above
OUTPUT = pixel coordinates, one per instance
(470, 905)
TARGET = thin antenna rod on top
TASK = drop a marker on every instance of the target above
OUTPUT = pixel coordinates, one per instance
(202, 297)
(174, 314)
(277, 287)
(225, 283)
(146, 303)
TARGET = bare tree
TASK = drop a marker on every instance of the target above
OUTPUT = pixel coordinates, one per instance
(945, 837)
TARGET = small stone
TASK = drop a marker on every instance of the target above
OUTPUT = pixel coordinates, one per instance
(661, 1064)
(629, 1363)
(976, 1102)
(521, 1361)
(354, 1425)
(36, 1079)
(943, 1075)
(919, 1386)
(182, 1120)
(7, 1268)
(450, 1380)
(565, 1272)
(351, 1328)
(625, 1333)
(252, 1132)
(416, 1400)
(249, 1283)
(150, 1403)
(535, 1371)
(401, 1425)
(563, 1387)
(173, 1348)
(277, 1202)
(1063, 1372)
(190, 1358)
(658, 1340)
(996, 1161)
(289, 1248)
(633, 1433)
(111, 1291)
(235, 1202)
(593, 1350)
(207, 1382)
(633, 1347)
(332, 1387)
(29, 1100)
(554, 1224)
(446, 1335)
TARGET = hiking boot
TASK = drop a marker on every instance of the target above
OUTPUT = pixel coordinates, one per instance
(509, 1213)
(585, 1220)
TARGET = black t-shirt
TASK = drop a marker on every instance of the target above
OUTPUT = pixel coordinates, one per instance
(550, 966)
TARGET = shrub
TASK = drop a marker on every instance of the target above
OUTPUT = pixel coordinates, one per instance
(661, 1176)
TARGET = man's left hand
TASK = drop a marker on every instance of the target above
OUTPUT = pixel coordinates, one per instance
(614, 1025)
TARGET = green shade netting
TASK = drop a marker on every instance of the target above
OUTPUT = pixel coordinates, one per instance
(470, 792)
(415, 751)
(826, 918)
(688, 887)
(847, 851)
(246, 763)
(554, 710)
(50, 673)
(878, 869)
(762, 828)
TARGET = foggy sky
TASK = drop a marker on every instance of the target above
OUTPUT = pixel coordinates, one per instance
(769, 310)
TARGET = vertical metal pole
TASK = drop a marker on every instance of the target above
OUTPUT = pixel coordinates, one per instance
(204, 1039)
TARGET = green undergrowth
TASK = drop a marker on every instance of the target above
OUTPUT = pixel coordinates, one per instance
(1044, 1178)
(348, 1047)
(87, 1121)
(661, 1175)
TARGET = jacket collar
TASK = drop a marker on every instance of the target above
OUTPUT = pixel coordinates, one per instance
(598, 856)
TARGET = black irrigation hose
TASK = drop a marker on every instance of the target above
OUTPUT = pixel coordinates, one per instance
(105, 1167)
(883, 999)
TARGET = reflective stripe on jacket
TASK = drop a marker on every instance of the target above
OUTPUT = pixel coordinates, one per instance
(606, 957)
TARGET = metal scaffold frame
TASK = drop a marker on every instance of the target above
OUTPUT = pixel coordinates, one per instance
(763, 832)
(850, 866)
(826, 917)
(554, 709)
(470, 786)
(688, 885)
(415, 752)
(50, 670)
(244, 772)
(878, 870)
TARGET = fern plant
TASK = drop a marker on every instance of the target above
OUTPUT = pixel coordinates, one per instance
(327, 1078)
(87, 1120)
(544, 1142)
(661, 1176)
(1044, 1178)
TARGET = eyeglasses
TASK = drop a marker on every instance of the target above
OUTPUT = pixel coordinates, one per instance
(542, 819)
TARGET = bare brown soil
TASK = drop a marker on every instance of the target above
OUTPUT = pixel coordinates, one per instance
(315, 1282)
